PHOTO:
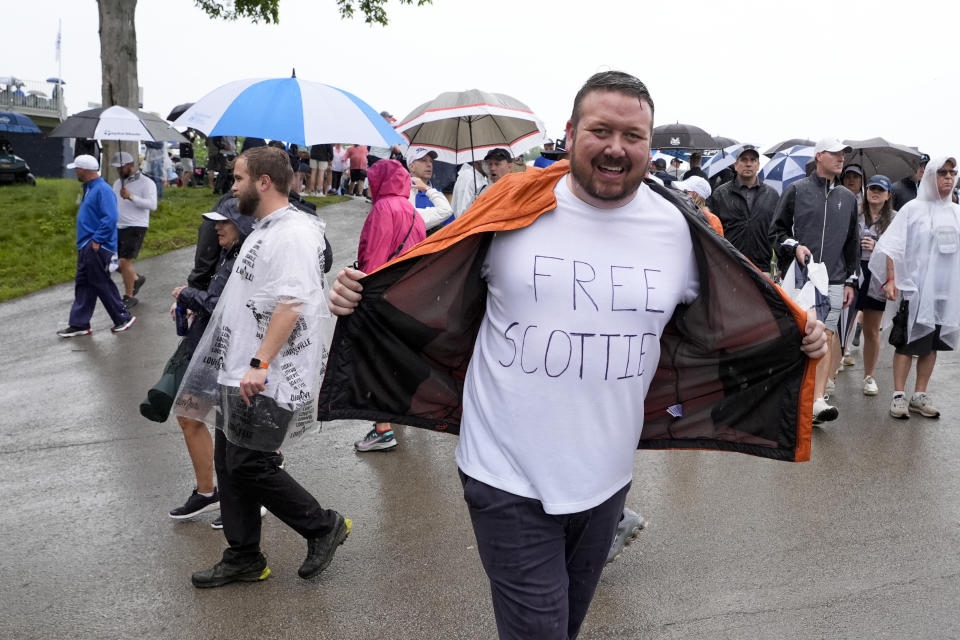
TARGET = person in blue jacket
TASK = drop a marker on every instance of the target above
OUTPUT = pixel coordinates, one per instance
(97, 252)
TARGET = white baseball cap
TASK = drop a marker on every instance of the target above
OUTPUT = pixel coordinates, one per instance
(415, 153)
(833, 145)
(84, 162)
(121, 158)
(694, 183)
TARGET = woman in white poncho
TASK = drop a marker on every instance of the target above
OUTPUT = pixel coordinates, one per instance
(918, 259)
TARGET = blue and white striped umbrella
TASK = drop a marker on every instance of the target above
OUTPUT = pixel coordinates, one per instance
(289, 109)
(786, 167)
(720, 161)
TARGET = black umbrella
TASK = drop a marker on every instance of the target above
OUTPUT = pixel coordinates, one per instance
(117, 123)
(178, 110)
(786, 144)
(877, 155)
(724, 142)
(681, 136)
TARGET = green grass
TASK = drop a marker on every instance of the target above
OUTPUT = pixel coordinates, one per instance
(38, 230)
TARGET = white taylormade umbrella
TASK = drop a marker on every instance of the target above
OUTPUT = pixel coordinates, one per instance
(117, 123)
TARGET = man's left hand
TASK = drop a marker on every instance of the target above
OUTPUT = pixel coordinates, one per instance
(814, 343)
(254, 381)
(847, 295)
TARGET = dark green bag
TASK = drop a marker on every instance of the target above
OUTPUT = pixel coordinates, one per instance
(160, 397)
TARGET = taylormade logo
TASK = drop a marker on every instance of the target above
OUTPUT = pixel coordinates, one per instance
(113, 132)
(674, 142)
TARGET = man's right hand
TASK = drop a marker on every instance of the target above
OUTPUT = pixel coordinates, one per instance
(345, 293)
(802, 254)
(419, 184)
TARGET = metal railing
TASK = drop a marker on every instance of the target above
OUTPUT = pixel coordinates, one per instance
(33, 98)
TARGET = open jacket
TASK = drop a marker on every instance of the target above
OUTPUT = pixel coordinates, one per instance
(731, 374)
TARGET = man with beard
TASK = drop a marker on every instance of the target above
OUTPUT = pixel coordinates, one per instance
(602, 257)
(136, 198)
(266, 323)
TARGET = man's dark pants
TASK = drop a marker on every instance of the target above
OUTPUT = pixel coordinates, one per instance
(92, 282)
(543, 568)
(248, 479)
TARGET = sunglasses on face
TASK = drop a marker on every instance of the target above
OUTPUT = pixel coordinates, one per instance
(943, 173)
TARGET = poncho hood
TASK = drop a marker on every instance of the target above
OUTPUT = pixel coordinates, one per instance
(388, 178)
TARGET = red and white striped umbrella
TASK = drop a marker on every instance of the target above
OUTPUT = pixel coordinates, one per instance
(462, 126)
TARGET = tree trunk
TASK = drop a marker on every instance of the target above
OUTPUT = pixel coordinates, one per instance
(118, 61)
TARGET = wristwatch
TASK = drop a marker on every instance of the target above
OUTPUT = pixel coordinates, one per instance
(257, 363)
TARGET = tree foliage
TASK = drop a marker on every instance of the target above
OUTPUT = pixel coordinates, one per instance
(268, 11)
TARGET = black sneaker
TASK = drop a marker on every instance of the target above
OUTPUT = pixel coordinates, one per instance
(129, 302)
(320, 550)
(138, 283)
(195, 505)
(226, 572)
(123, 326)
(73, 332)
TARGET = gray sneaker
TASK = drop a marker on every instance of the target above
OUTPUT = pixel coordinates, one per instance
(374, 441)
(923, 404)
(898, 408)
(631, 523)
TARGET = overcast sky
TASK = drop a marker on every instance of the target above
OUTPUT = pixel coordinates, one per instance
(755, 71)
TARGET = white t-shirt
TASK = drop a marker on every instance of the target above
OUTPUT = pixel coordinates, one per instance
(577, 301)
(135, 212)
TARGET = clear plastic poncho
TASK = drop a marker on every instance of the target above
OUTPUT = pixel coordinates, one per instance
(280, 262)
(924, 243)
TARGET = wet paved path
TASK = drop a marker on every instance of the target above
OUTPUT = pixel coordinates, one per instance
(862, 542)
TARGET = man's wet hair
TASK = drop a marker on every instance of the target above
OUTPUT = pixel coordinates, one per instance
(272, 162)
(616, 81)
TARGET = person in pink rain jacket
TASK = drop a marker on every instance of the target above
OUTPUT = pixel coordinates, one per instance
(392, 228)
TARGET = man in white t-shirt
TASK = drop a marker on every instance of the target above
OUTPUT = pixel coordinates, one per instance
(136, 198)
(553, 401)
(264, 349)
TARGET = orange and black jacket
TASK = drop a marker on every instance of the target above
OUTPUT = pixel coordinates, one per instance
(731, 374)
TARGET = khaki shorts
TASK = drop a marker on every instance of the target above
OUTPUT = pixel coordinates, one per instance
(319, 164)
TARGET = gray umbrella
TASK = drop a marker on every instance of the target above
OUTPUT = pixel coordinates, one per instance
(723, 142)
(461, 126)
(117, 123)
(877, 155)
(786, 144)
(682, 136)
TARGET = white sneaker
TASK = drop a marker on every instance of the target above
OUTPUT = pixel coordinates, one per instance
(823, 412)
(831, 386)
(870, 387)
(898, 408)
(923, 404)
(848, 360)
